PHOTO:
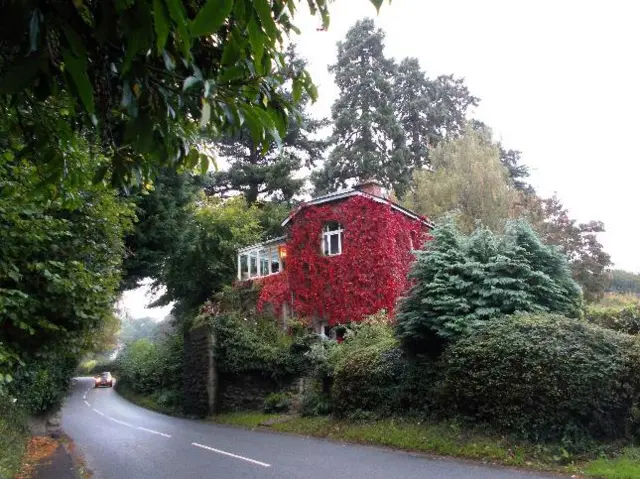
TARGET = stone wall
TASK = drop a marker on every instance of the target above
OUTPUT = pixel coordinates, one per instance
(248, 391)
(199, 398)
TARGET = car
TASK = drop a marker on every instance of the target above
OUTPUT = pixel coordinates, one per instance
(105, 379)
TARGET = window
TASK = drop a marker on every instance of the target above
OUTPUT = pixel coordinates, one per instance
(332, 236)
(259, 261)
(275, 260)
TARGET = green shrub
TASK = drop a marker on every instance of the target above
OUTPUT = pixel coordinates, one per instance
(277, 403)
(625, 318)
(314, 403)
(545, 377)
(462, 281)
(42, 381)
(148, 367)
(257, 346)
(373, 374)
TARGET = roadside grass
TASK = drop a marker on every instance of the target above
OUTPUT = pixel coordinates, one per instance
(448, 439)
(13, 443)
(625, 466)
(248, 419)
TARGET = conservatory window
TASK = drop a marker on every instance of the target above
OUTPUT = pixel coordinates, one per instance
(332, 236)
(259, 261)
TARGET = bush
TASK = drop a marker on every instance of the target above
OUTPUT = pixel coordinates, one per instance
(41, 382)
(545, 377)
(625, 318)
(149, 367)
(249, 346)
(462, 281)
(372, 373)
(277, 403)
(315, 403)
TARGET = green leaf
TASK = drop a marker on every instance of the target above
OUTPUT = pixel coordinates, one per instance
(77, 68)
(161, 24)
(34, 30)
(189, 82)
(257, 39)
(211, 17)
(205, 114)
(230, 54)
(75, 42)
(204, 164)
(178, 15)
(297, 89)
(377, 4)
(263, 9)
(253, 123)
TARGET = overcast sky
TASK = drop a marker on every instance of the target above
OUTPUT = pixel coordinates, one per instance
(557, 80)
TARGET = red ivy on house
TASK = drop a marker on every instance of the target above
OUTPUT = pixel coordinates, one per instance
(369, 275)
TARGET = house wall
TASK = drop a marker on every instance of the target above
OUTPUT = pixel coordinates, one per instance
(369, 275)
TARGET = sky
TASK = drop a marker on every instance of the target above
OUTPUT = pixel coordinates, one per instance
(556, 81)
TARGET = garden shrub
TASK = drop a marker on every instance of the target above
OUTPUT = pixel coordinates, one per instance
(462, 281)
(545, 377)
(315, 403)
(250, 346)
(372, 373)
(277, 403)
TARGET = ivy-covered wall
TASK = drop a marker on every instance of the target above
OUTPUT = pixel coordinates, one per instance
(369, 275)
(197, 349)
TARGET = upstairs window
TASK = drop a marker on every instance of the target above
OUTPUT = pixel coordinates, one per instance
(332, 238)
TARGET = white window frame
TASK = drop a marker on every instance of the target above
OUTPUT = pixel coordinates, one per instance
(326, 238)
(267, 253)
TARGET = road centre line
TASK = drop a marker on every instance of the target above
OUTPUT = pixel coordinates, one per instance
(131, 425)
(87, 403)
(225, 453)
(120, 422)
(152, 431)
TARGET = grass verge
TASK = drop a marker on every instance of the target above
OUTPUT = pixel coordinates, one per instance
(14, 436)
(447, 439)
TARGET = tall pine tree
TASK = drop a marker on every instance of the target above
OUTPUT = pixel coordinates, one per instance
(369, 141)
(256, 171)
(428, 110)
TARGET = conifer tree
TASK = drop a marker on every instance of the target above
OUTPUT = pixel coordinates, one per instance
(255, 170)
(462, 281)
(429, 111)
(369, 141)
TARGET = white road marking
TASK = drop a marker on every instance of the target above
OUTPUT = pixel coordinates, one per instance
(152, 431)
(87, 403)
(224, 453)
(120, 422)
(99, 412)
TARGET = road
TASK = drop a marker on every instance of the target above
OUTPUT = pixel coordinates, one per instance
(121, 440)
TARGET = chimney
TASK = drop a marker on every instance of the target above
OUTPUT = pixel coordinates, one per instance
(373, 187)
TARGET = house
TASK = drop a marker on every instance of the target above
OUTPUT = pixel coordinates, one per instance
(345, 255)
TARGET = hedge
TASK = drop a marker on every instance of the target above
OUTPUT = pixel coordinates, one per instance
(545, 377)
(373, 375)
(625, 319)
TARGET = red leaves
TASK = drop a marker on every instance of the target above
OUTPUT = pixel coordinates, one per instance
(369, 275)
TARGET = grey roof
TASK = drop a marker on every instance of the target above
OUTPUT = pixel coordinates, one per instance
(279, 239)
(340, 195)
